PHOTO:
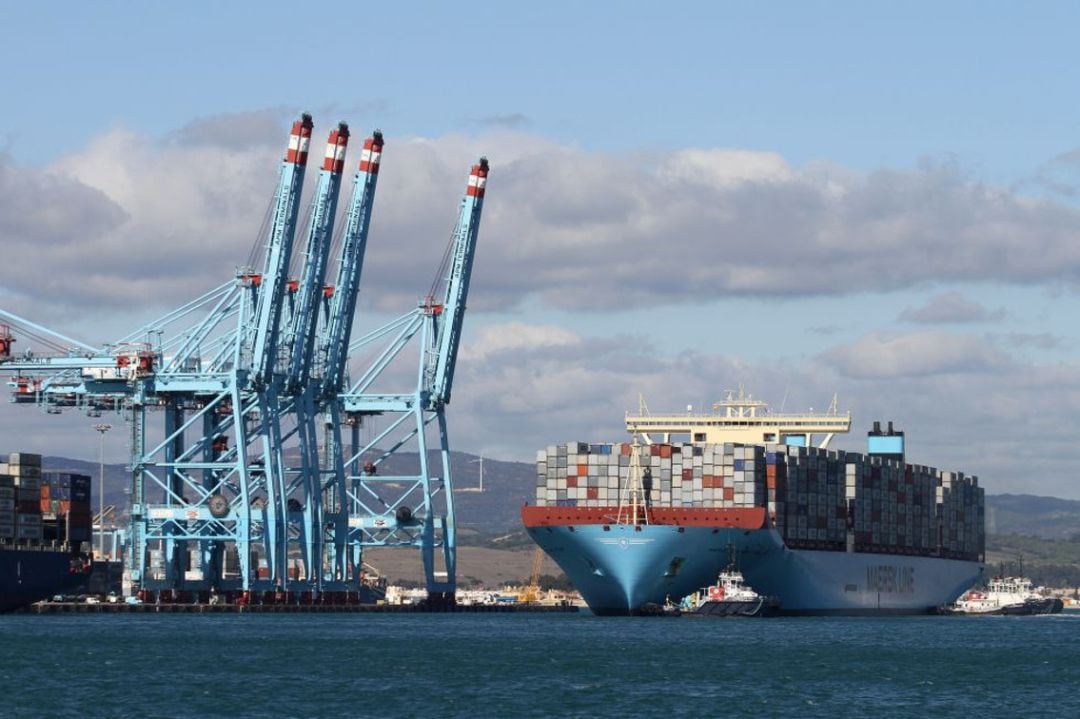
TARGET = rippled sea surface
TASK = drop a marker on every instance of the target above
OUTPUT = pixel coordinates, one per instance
(527, 665)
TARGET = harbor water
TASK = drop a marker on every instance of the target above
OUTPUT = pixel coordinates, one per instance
(521, 665)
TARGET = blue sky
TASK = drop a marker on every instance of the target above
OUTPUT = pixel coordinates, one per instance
(862, 84)
(872, 199)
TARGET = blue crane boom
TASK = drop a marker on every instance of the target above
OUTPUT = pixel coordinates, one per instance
(306, 311)
(354, 242)
(278, 253)
(414, 509)
(450, 319)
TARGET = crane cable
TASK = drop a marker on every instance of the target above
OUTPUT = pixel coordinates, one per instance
(440, 273)
(258, 243)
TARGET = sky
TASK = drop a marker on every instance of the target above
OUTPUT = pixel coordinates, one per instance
(872, 200)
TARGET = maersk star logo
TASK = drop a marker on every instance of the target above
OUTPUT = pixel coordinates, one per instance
(623, 542)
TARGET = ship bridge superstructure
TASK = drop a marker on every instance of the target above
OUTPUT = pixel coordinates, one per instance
(741, 419)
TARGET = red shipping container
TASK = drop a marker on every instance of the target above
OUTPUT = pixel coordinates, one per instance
(688, 475)
(45, 491)
(592, 493)
(571, 481)
(729, 493)
(624, 449)
(665, 451)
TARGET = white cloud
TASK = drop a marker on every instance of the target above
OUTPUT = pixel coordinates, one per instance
(494, 339)
(163, 219)
(883, 355)
(950, 307)
(717, 168)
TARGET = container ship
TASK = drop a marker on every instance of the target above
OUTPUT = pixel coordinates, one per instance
(824, 531)
(45, 530)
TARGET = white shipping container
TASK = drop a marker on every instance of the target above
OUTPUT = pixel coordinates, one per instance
(25, 459)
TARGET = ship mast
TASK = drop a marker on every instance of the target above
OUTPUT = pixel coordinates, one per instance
(634, 510)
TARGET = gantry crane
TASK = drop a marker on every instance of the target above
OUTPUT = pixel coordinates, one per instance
(245, 376)
(414, 509)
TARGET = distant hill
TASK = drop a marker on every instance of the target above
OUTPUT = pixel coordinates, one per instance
(1027, 514)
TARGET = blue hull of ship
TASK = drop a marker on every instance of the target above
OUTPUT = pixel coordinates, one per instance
(621, 568)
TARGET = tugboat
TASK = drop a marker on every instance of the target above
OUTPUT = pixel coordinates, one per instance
(730, 597)
(1006, 595)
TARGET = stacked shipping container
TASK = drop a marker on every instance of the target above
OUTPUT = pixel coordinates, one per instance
(806, 500)
(65, 506)
(7, 508)
(37, 507)
(21, 474)
(815, 498)
(680, 475)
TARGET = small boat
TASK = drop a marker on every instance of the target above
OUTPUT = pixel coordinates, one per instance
(730, 597)
(1005, 595)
